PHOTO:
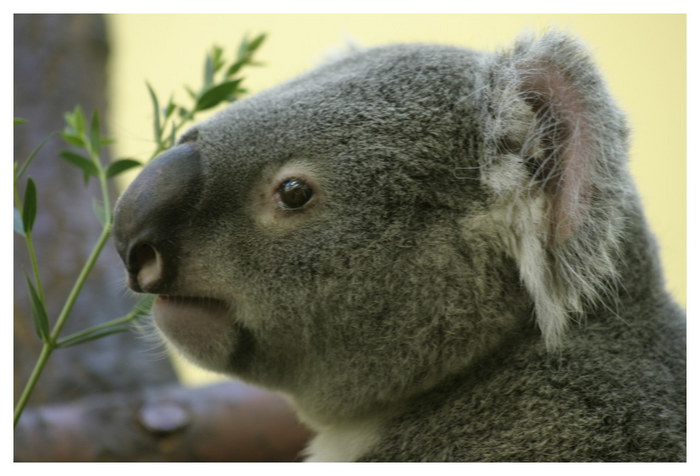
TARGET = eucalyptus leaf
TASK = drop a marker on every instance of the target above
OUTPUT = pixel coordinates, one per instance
(257, 41)
(246, 50)
(29, 207)
(76, 121)
(169, 109)
(208, 71)
(41, 320)
(31, 157)
(235, 67)
(69, 342)
(95, 140)
(157, 127)
(86, 165)
(217, 94)
(242, 48)
(217, 53)
(80, 124)
(122, 165)
(73, 139)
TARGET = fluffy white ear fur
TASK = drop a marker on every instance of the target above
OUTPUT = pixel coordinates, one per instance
(349, 47)
(545, 105)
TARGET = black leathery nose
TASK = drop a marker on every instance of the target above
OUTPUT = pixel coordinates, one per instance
(149, 214)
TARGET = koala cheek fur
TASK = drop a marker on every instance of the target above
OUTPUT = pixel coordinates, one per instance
(437, 254)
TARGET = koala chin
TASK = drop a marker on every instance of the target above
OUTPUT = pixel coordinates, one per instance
(436, 254)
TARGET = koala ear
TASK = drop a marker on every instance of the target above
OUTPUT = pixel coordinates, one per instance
(553, 152)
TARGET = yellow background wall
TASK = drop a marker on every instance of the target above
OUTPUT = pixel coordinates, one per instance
(643, 58)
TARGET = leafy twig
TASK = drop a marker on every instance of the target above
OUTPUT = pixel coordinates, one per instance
(216, 89)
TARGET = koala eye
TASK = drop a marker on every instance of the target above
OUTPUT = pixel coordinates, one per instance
(294, 193)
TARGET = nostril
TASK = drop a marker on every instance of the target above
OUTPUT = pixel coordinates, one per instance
(146, 265)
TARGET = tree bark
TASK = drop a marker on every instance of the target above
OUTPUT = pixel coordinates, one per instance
(222, 422)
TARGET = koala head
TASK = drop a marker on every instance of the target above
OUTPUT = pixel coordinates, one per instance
(359, 233)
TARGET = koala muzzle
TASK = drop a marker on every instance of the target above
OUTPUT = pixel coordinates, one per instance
(150, 214)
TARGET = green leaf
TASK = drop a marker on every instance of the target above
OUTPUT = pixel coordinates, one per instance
(169, 109)
(19, 120)
(19, 226)
(73, 139)
(86, 165)
(122, 165)
(69, 342)
(80, 125)
(29, 208)
(247, 48)
(76, 121)
(257, 41)
(31, 157)
(235, 67)
(217, 94)
(41, 320)
(242, 48)
(245, 54)
(217, 53)
(208, 71)
(95, 138)
(157, 127)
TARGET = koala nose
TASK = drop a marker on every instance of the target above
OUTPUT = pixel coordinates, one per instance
(149, 214)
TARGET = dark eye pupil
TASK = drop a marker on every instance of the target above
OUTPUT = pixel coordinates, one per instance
(294, 193)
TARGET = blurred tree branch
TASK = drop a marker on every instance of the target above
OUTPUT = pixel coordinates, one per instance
(222, 422)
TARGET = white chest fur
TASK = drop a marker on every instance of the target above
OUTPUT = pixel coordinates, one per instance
(346, 442)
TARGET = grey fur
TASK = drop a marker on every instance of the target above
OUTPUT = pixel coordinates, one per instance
(473, 279)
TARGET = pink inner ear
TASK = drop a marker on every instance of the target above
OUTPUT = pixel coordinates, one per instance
(568, 168)
(572, 199)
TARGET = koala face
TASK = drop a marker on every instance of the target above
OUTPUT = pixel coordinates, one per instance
(361, 232)
(311, 238)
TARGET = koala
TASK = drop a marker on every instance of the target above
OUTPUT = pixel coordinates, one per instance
(434, 253)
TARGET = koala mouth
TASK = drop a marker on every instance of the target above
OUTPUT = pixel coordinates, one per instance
(189, 301)
(203, 329)
(168, 309)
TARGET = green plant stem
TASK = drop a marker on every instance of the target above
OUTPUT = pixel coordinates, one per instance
(51, 344)
(106, 230)
(32, 254)
(105, 196)
(113, 323)
(33, 378)
(35, 265)
(164, 144)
